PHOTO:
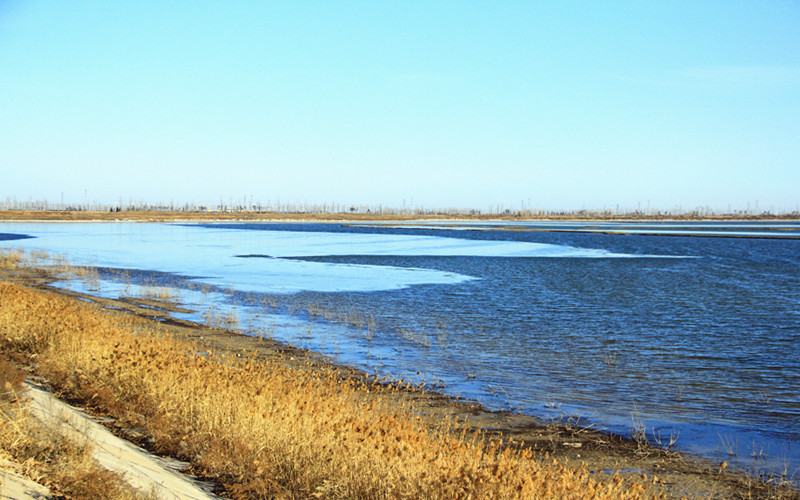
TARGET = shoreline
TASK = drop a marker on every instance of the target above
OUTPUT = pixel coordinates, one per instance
(601, 453)
(170, 391)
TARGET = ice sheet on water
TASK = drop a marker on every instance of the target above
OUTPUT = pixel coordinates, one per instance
(210, 253)
(321, 244)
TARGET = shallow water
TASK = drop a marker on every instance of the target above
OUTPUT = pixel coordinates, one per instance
(689, 335)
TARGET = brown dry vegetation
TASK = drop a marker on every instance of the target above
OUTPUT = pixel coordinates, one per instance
(268, 428)
(47, 456)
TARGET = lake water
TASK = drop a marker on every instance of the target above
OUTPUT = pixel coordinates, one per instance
(694, 337)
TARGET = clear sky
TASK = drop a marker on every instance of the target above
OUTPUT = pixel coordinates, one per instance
(555, 105)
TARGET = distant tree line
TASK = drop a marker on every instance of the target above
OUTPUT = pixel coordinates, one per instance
(246, 205)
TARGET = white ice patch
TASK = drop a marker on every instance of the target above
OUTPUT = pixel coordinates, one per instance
(319, 244)
(210, 254)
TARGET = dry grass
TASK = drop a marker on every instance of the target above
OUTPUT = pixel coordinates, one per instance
(64, 465)
(163, 293)
(11, 259)
(271, 429)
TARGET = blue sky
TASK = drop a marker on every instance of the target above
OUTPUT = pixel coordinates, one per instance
(556, 105)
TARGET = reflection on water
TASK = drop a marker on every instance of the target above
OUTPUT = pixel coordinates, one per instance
(707, 346)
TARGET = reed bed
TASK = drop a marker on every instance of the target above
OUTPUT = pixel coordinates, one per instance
(271, 428)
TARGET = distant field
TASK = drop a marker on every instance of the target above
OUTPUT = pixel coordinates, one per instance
(161, 216)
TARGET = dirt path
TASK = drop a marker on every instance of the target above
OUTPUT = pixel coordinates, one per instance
(140, 468)
(14, 486)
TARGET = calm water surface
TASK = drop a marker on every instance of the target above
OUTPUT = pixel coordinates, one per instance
(696, 336)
